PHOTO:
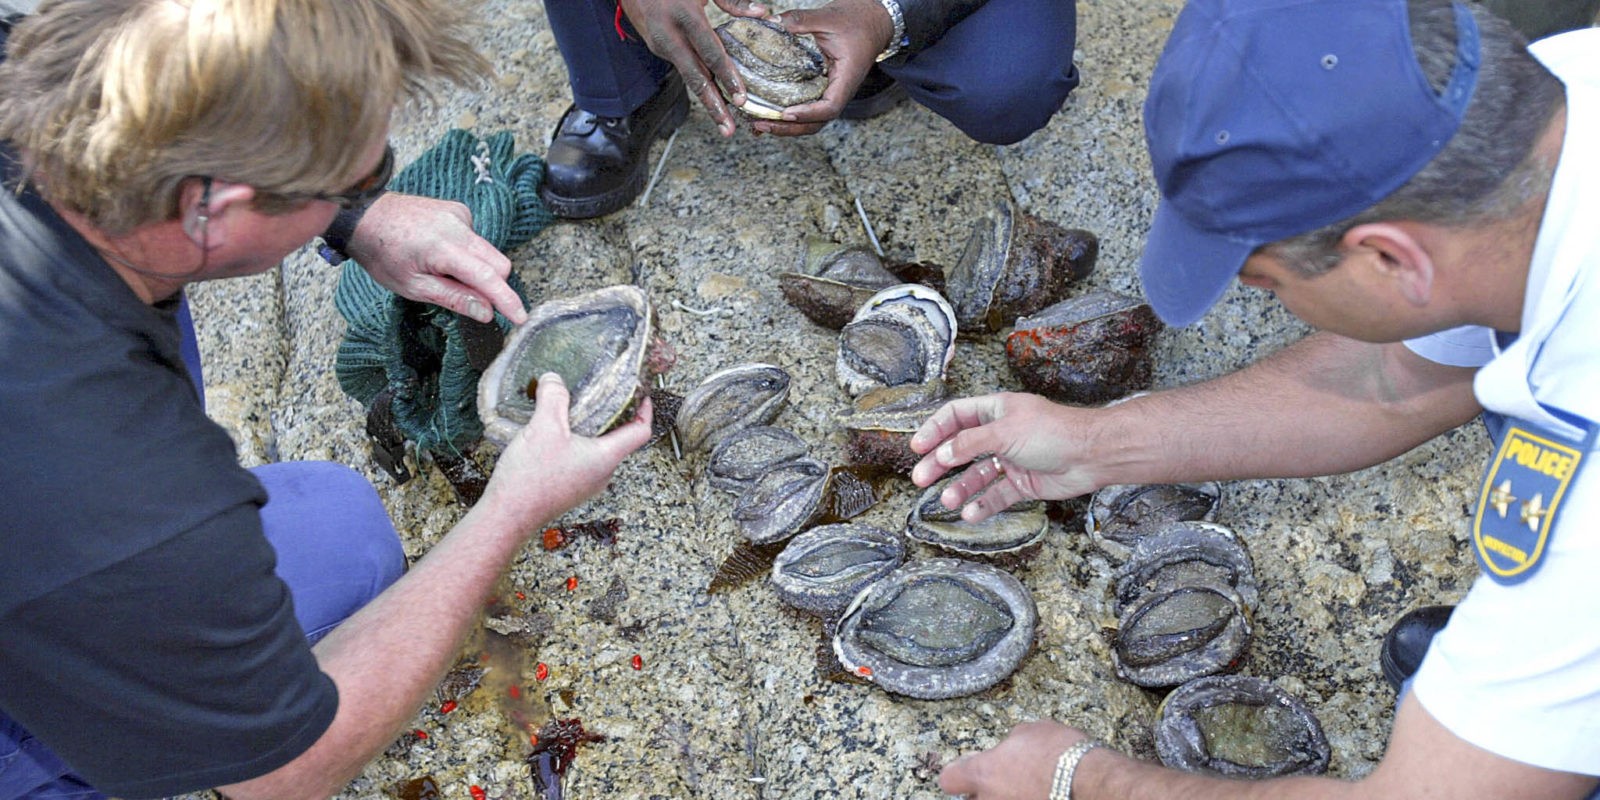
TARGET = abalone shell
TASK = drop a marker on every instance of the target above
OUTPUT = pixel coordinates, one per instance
(1234, 726)
(1085, 350)
(731, 400)
(823, 569)
(1015, 264)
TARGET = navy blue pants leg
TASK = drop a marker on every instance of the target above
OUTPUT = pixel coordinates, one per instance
(610, 77)
(1001, 73)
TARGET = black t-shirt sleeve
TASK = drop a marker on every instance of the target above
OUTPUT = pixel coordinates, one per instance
(178, 669)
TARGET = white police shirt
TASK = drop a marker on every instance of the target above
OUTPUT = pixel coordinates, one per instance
(1517, 670)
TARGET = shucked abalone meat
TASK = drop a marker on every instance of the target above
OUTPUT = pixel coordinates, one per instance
(937, 629)
(597, 342)
(744, 456)
(823, 569)
(779, 69)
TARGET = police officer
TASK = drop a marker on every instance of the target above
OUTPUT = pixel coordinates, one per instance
(997, 69)
(1410, 179)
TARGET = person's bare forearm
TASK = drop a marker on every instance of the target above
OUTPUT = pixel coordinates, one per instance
(388, 656)
(1324, 405)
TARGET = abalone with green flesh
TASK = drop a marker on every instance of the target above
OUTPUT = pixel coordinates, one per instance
(730, 400)
(597, 342)
(1012, 529)
(903, 335)
(1013, 265)
(834, 281)
(937, 629)
(1167, 638)
(745, 455)
(1234, 726)
(1120, 514)
(1179, 554)
(779, 69)
(794, 496)
(822, 569)
(1085, 350)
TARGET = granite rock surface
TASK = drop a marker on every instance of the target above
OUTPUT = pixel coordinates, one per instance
(727, 702)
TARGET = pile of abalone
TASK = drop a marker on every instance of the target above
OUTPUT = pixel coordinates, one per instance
(1183, 595)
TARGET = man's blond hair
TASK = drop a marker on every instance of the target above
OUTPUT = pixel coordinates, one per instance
(112, 103)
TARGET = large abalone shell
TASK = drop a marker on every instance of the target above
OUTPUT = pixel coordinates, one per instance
(1085, 350)
(1012, 529)
(937, 629)
(1015, 264)
(879, 429)
(1184, 553)
(1167, 638)
(834, 281)
(779, 69)
(798, 494)
(1234, 726)
(730, 400)
(745, 455)
(1120, 514)
(597, 342)
(823, 569)
(903, 335)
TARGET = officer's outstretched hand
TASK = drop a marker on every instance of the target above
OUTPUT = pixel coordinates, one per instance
(547, 469)
(424, 249)
(1019, 768)
(1021, 446)
(850, 33)
(678, 31)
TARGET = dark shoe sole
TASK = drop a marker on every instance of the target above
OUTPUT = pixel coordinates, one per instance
(618, 198)
(860, 108)
(1407, 634)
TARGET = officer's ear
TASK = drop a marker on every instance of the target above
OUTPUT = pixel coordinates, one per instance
(1395, 254)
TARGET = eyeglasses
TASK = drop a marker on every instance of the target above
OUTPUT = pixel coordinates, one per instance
(363, 192)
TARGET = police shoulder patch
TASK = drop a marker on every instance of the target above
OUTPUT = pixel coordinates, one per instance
(1523, 489)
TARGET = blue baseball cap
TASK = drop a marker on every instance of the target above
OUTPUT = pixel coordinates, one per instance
(1270, 118)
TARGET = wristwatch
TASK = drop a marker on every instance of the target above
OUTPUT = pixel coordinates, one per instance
(336, 239)
(898, 40)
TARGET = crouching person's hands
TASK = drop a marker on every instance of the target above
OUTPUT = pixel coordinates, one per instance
(547, 469)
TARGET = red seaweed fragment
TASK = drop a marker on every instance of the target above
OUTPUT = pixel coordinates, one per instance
(557, 745)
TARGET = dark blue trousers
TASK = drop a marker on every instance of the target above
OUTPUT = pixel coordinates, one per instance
(998, 75)
(336, 550)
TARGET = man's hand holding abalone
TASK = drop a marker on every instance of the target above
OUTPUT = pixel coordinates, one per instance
(678, 31)
(850, 34)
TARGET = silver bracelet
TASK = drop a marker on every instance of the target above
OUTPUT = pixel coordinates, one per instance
(1061, 784)
(898, 40)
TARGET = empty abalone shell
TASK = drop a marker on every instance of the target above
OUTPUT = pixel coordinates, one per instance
(1120, 514)
(1178, 554)
(1015, 264)
(729, 400)
(779, 69)
(823, 569)
(745, 455)
(798, 494)
(1167, 638)
(1086, 350)
(1233, 726)
(937, 629)
(597, 342)
(903, 335)
(1012, 529)
(834, 281)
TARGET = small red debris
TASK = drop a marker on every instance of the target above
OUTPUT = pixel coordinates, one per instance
(638, 661)
(572, 583)
(521, 596)
(447, 707)
(542, 671)
(420, 733)
(533, 739)
(554, 538)
(863, 670)
(477, 792)
(516, 691)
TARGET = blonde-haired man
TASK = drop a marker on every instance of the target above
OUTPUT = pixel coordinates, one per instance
(170, 622)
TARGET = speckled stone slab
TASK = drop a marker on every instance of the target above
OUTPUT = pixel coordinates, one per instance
(727, 702)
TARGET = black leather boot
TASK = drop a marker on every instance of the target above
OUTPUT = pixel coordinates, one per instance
(597, 165)
(1407, 642)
